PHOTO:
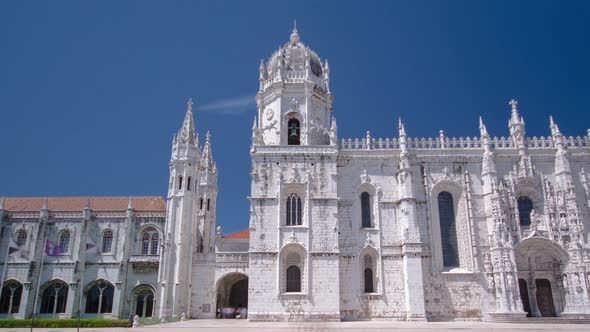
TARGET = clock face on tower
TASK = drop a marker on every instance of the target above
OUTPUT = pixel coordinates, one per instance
(269, 114)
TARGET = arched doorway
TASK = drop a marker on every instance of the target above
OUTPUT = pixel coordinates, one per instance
(232, 293)
(539, 262)
(143, 300)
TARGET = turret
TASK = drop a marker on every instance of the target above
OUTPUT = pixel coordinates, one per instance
(181, 224)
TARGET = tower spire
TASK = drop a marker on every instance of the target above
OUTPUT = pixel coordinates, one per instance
(187, 131)
(207, 156)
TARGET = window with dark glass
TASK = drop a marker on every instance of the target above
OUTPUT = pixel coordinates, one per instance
(154, 249)
(99, 298)
(366, 209)
(64, 242)
(11, 296)
(293, 279)
(180, 182)
(369, 280)
(54, 298)
(145, 244)
(208, 203)
(525, 206)
(201, 204)
(107, 241)
(294, 132)
(21, 237)
(448, 229)
(294, 210)
(188, 183)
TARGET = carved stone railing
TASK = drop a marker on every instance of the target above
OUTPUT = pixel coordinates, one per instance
(460, 143)
(232, 257)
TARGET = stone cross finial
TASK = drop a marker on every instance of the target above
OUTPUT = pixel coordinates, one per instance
(513, 102)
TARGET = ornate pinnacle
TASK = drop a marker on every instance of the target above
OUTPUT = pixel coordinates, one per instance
(400, 127)
(130, 205)
(2, 201)
(187, 132)
(554, 127)
(294, 35)
(483, 130)
(207, 155)
(45, 205)
(189, 105)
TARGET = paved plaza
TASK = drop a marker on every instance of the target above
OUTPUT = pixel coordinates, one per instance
(232, 325)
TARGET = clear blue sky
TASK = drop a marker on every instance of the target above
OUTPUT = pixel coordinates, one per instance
(91, 92)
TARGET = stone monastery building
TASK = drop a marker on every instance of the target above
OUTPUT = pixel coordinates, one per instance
(339, 229)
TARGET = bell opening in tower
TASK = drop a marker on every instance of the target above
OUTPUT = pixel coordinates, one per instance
(294, 130)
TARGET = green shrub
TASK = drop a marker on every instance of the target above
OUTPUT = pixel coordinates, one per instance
(52, 323)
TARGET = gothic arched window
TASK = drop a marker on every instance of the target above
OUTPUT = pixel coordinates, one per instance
(293, 132)
(366, 209)
(11, 296)
(144, 302)
(179, 182)
(54, 298)
(64, 242)
(293, 279)
(448, 229)
(154, 249)
(99, 298)
(21, 237)
(107, 241)
(145, 244)
(525, 206)
(294, 210)
(188, 184)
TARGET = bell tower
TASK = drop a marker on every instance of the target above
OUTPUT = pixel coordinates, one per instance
(294, 204)
(294, 98)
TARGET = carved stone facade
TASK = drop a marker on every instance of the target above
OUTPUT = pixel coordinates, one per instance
(339, 229)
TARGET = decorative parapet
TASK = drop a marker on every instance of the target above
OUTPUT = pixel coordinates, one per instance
(459, 143)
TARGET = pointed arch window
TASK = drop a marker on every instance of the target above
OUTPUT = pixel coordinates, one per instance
(21, 238)
(11, 295)
(107, 241)
(64, 242)
(294, 210)
(99, 298)
(366, 209)
(525, 206)
(448, 229)
(54, 298)
(188, 184)
(293, 132)
(180, 182)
